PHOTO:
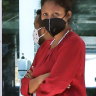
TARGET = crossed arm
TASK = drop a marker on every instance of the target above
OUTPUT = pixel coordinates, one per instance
(34, 83)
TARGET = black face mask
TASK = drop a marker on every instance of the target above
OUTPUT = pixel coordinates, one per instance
(54, 25)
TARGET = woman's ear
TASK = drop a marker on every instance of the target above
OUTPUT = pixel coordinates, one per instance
(69, 15)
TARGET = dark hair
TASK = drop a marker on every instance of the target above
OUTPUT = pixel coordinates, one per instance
(38, 12)
(38, 15)
(66, 4)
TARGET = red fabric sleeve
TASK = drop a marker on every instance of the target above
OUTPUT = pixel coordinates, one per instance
(67, 65)
(25, 86)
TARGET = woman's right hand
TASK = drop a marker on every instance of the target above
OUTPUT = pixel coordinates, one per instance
(28, 74)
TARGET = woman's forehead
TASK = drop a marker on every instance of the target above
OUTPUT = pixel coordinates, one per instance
(51, 6)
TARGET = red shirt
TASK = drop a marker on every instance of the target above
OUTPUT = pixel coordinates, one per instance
(66, 64)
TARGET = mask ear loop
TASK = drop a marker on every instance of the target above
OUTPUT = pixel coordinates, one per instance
(64, 17)
(39, 28)
(42, 34)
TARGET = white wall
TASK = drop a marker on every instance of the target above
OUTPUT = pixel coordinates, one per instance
(90, 70)
(0, 47)
(26, 15)
(26, 26)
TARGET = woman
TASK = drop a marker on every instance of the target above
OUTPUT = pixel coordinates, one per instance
(40, 34)
(59, 62)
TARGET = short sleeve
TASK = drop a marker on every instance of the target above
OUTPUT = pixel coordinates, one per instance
(66, 67)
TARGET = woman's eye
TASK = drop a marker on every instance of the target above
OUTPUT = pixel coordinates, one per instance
(56, 14)
(44, 14)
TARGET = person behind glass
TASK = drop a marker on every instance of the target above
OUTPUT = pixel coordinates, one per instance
(40, 34)
(60, 62)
